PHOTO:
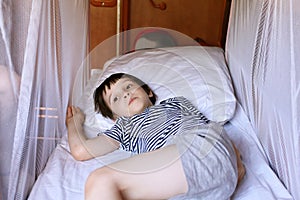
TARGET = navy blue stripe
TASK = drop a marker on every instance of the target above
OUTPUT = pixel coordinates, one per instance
(150, 129)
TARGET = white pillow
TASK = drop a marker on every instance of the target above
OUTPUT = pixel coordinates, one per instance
(198, 73)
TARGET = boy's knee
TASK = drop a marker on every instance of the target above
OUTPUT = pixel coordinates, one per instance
(102, 182)
(100, 177)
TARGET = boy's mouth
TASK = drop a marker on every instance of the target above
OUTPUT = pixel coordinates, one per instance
(131, 100)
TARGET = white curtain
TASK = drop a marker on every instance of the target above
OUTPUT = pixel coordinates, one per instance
(263, 54)
(43, 44)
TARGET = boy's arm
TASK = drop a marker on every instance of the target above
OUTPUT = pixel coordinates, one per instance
(83, 148)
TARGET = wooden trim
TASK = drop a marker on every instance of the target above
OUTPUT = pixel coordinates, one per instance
(125, 11)
(104, 3)
(225, 23)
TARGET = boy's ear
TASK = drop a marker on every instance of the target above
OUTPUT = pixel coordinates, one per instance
(115, 117)
(150, 94)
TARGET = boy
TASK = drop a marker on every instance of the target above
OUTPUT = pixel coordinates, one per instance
(181, 155)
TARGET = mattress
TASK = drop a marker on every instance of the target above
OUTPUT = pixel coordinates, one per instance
(64, 178)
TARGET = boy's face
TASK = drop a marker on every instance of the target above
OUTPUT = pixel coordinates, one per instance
(126, 98)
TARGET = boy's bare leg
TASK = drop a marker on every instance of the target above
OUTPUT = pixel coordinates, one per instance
(153, 175)
(240, 165)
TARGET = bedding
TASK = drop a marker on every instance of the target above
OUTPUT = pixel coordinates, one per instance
(205, 81)
(198, 73)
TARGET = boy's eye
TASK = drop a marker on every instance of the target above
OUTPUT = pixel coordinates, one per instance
(115, 99)
(128, 86)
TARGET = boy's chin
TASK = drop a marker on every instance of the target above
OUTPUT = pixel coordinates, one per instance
(136, 110)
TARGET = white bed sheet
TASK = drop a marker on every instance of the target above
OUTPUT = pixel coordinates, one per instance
(64, 177)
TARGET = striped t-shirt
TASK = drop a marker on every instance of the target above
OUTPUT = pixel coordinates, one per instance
(150, 129)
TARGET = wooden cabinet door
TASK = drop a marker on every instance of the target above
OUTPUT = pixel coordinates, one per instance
(201, 20)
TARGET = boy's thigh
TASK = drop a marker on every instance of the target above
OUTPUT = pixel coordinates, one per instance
(155, 175)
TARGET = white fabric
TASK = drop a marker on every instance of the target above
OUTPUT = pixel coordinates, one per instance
(94, 123)
(262, 51)
(197, 73)
(259, 182)
(8, 112)
(42, 45)
(64, 178)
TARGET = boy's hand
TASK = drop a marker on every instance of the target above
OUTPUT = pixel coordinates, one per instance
(74, 115)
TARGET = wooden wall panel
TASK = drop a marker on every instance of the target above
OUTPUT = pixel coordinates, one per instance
(195, 18)
(102, 23)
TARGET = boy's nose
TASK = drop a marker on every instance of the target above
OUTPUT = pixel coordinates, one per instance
(126, 94)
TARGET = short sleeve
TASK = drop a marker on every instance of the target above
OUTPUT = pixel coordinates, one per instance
(115, 132)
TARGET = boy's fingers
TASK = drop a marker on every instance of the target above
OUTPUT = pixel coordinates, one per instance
(69, 111)
(69, 114)
(74, 111)
(77, 109)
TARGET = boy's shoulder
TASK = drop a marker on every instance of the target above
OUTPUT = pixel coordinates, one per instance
(174, 99)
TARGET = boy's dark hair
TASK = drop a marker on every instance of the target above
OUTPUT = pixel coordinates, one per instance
(100, 105)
